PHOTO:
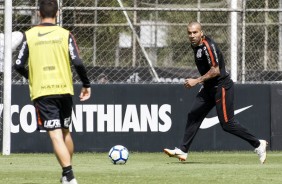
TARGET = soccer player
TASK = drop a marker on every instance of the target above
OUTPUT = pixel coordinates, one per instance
(50, 50)
(217, 90)
(16, 41)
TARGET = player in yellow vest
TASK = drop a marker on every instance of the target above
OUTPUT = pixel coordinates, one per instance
(49, 50)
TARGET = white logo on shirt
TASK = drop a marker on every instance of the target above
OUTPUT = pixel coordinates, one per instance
(72, 54)
(199, 53)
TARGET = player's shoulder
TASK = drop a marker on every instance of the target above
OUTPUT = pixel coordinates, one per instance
(51, 27)
(63, 29)
(209, 42)
(208, 39)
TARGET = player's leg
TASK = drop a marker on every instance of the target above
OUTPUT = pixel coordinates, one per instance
(67, 174)
(60, 149)
(49, 118)
(68, 141)
(202, 104)
(63, 155)
(225, 110)
(65, 103)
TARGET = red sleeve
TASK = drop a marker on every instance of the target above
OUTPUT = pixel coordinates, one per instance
(212, 52)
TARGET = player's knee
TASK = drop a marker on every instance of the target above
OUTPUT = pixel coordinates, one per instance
(227, 126)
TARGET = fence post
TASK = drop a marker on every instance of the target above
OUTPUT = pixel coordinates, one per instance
(60, 16)
(265, 56)
(280, 37)
(243, 2)
(233, 40)
(95, 35)
(7, 93)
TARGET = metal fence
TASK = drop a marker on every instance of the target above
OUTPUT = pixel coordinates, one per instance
(147, 39)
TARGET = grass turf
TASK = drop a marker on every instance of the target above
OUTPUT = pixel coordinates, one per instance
(143, 168)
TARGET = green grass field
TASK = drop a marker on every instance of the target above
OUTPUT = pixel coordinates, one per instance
(143, 168)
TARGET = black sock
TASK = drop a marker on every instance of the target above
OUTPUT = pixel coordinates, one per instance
(67, 171)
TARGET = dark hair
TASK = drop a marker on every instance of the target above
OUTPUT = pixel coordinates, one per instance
(48, 8)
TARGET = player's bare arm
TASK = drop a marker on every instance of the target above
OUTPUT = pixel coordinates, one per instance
(213, 72)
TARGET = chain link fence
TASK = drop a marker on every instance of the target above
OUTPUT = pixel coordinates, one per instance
(147, 42)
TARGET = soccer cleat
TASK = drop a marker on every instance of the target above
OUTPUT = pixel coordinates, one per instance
(65, 181)
(261, 151)
(177, 153)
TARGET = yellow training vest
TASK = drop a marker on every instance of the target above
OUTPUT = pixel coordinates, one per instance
(48, 62)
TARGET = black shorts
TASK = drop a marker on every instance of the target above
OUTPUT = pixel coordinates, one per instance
(53, 112)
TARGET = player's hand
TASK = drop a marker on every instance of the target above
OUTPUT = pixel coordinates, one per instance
(189, 83)
(85, 94)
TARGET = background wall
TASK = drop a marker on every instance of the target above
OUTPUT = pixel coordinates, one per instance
(148, 118)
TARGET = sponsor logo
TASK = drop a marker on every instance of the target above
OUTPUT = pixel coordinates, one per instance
(18, 61)
(54, 123)
(72, 54)
(56, 40)
(207, 54)
(209, 122)
(67, 122)
(53, 86)
(107, 118)
(199, 53)
(49, 68)
(215, 53)
(43, 34)
(99, 118)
